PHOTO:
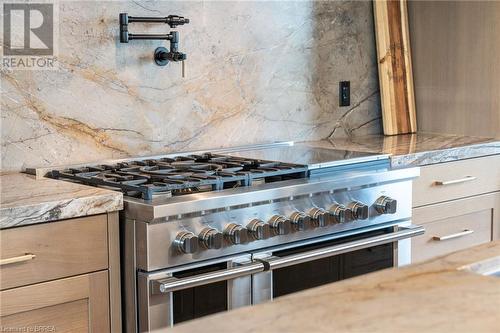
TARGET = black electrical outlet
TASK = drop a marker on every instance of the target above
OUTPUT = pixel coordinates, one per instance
(344, 93)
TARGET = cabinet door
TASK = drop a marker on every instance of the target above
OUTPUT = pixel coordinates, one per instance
(76, 304)
(456, 225)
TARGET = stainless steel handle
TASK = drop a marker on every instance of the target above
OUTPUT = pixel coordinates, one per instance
(279, 262)
(13, 260)
(455, 181)
(173, 284)
(465, 232)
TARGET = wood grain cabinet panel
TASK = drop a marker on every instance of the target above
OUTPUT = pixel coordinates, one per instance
(61, 276)
(456, 225)
(455, 180)
(75, 304)
(61, 249)
(455, 48)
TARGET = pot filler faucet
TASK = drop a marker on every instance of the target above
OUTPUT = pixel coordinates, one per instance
(162, 56)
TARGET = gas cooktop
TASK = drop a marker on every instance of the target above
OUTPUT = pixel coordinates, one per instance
(167, 176)
(173, 176)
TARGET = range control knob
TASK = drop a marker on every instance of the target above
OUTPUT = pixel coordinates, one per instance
(386, 205)
(319, 217)
(280, 225)
(186, 242)
(300, 221)
(235, 233)
(211, 238)
(338, 213)
(359, 210)
(258, 229)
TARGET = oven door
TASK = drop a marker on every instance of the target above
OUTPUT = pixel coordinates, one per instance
(168, 297)
(193, 292)
(312, 264)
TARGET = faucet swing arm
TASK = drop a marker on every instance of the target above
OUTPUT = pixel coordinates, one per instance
(161, 55)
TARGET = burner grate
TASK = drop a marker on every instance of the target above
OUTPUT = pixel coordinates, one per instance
(181, 175)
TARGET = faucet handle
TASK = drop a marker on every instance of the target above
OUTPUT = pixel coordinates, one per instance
(178, 56)
(163, 56)
(175, 20)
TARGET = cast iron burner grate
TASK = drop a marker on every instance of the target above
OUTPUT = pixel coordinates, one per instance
(181, 175)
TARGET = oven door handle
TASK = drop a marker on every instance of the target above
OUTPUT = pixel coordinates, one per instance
(299, 258)
(171, 284)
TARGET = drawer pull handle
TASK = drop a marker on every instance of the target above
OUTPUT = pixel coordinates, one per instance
(13, 260)
(455, 181)
(465, 232)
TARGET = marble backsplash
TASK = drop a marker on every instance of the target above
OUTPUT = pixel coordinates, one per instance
(256, 72)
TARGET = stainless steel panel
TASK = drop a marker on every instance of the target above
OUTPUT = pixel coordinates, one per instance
(128, 271)
(154, 311)
(160, 209)
(264, 262)
(156, 308)
(239, 290)
(155, 250)
(402, 233)
(313, 157)
(402, 250)
(262, 283)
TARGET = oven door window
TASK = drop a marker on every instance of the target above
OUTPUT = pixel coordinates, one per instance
(306, 275)
(199, 301)
(319, 272)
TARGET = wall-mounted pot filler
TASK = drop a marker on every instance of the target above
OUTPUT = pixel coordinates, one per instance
(162, 56)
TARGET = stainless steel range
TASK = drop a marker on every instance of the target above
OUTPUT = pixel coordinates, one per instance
(209, 232)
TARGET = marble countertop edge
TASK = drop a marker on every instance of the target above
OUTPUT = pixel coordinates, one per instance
(417, 149)
(25, 200)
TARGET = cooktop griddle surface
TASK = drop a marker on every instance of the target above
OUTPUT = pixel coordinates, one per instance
(314, 158)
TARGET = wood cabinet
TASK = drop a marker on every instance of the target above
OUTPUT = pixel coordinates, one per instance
(456, 225)
(458, 203)
(75, 304)
(455, 180)
(61, 276)
(58, 249)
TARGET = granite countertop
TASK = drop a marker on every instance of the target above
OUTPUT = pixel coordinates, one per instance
(429, 297)
(25, 200)
(416, 149)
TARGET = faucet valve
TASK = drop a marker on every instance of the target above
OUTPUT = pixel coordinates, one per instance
(162, 56)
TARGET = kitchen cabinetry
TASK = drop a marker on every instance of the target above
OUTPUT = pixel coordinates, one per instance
(75, 304)
(62, 275)
(459, 205)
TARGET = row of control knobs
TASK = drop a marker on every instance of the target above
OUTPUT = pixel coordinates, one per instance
(256, 229)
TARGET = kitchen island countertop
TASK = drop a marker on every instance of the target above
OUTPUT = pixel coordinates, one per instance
(433, 296)
(25, 200)
(417, 149)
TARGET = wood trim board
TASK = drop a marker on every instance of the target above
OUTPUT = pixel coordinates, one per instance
(395, 67)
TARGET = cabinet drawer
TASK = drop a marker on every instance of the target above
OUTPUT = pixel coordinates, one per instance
(55, 250)
(455, 225)
(454, 180)
(75, 304)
